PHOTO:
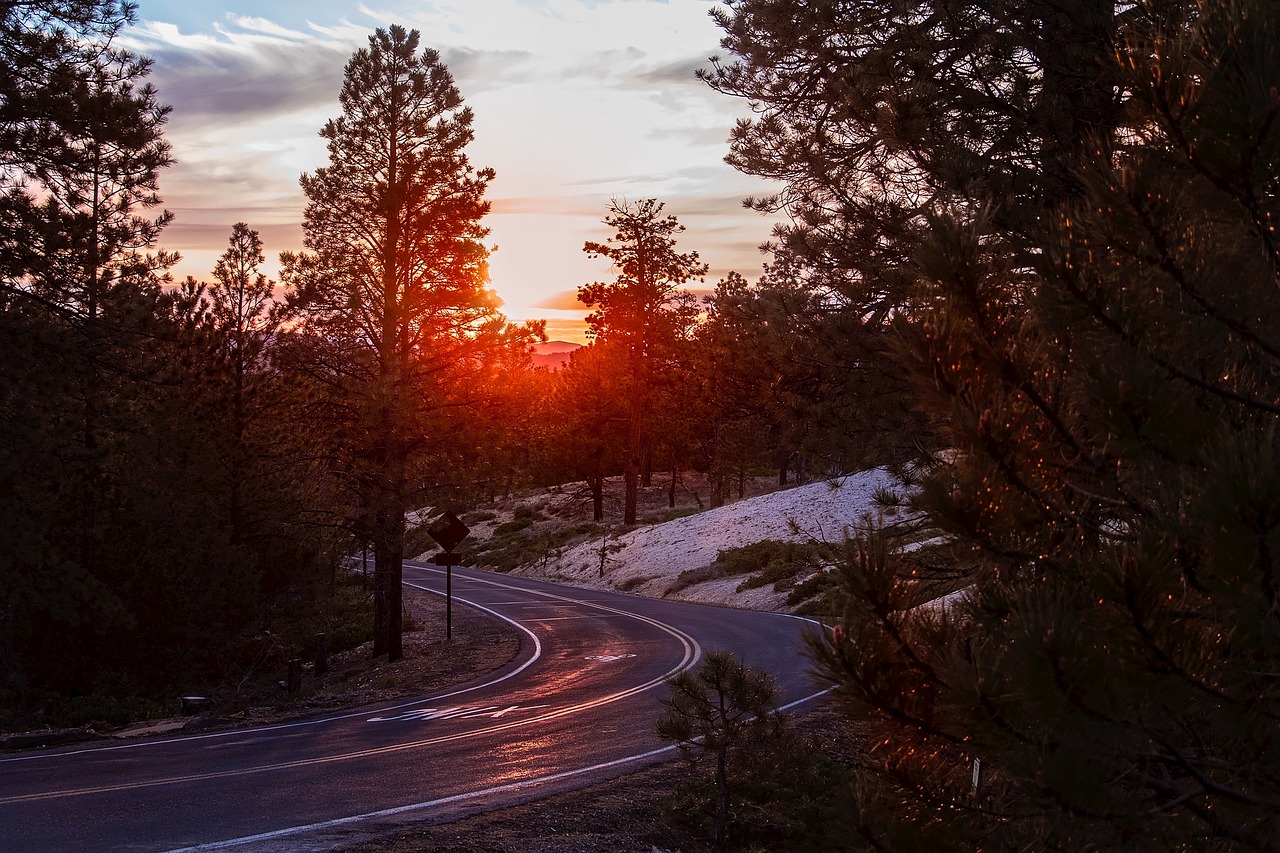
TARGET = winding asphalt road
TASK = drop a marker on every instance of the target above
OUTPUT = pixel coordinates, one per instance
(577, 706)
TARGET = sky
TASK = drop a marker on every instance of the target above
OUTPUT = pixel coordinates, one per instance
(576, 102)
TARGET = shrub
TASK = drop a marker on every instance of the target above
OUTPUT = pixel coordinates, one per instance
(772, 561)
(761, 785)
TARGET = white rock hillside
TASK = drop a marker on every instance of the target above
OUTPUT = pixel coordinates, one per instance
(648, 560)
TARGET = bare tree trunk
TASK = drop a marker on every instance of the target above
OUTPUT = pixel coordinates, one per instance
(632, 476)
(381, 583)
(596, 482)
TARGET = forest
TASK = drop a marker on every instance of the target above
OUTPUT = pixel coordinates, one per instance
(1029, 264)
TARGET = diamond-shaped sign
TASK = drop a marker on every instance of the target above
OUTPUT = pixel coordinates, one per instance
(448, 530)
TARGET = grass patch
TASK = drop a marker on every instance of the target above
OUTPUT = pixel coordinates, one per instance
(506, 528)
(521, 543)
(774, 563)
(693, 577)
(634, 583)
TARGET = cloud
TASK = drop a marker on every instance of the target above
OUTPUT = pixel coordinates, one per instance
(240, 72)
(257, 68)
(678, 72)
(206, 233)
(574, 331)
(577, 204)
(562, 300)
(484, 70)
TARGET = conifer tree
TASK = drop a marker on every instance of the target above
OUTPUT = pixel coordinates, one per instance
(1106, 394)
(873, 115)
(394, 282)
(245, 318)
(643, 311)
(83, 146)
(588, 426)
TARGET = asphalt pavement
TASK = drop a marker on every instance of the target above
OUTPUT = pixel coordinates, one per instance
(575, 707)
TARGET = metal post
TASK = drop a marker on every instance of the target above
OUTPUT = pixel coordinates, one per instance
(448, 530)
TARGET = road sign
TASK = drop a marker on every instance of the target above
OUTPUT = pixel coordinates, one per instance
(448, 530)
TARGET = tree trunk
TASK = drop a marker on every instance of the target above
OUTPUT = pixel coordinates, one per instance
(381, 608)
(596, 482)
(632, 476)
(722, 785)
(391, 460)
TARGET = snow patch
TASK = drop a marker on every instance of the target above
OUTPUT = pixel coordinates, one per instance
(649, 559)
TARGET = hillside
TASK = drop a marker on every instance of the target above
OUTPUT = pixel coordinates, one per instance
(665, 558)
(553, 355)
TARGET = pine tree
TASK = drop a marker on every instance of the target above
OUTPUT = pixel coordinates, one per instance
(643, 311)
(1105, 676)
(83, 146)
(588, 425)
(394, 280)
(245, 318)
(873, 116)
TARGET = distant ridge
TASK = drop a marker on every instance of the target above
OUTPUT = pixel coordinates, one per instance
(553, 355)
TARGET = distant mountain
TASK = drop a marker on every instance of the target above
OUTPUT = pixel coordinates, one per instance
(553, 355)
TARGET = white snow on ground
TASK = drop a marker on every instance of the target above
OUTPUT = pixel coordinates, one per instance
(648, 560)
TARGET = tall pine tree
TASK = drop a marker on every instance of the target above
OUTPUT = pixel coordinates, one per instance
(1105, 387)
(394, 282)
(643, 311)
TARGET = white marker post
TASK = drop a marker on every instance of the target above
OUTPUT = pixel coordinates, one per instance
(448, 530)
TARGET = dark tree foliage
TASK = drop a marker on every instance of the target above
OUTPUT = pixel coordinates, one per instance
(393, 288)
(725, 712)
(1084, 303)
(587, 420)
(643, 311)
(101, 458)
(872, 114)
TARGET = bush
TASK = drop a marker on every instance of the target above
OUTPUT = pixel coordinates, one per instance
(526, 513)
(506, 528)
(772, 561)
(760, 785)
(693, 577)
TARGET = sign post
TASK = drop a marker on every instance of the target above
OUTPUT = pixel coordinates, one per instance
(448, 530)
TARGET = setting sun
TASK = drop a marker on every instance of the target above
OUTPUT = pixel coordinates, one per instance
(575, 103)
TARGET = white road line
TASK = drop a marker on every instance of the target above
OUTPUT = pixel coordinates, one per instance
(430, 804)
(537, 653)
(444, 801)
(692, 653)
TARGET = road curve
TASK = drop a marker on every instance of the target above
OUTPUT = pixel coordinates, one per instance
(577, 705)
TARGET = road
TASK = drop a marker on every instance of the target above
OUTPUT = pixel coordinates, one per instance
(576, 706)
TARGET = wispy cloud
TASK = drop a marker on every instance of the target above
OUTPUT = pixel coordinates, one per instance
(575, 101)
(563, 300)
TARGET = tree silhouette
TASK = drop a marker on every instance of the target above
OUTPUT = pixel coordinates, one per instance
(395, 278)
(1103, 379)
(643, 310)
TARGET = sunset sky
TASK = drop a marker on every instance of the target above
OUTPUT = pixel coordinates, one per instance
(575, 101)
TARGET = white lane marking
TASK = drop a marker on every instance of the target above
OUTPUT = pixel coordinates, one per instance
(430, 804)
(607, 658)
(537, 653)
(692, 653)
(444, 801)
(466, 712)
